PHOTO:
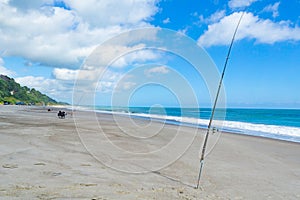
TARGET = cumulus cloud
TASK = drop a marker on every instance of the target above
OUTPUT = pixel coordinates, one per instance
(65, 74)
(166, 21)
(114, 12)
(157, 70)
(100, 73)
(42, 38)
(240, 3)
(92, 79)
(44, 33)
(89, 74)
(53, 88)
(273, 9)
(113, 81)
(126, 85)
(251, 27)
(115, 55)
(62, 86)
(183, 31)
(5, 71)
(136, 57)
(215, 17)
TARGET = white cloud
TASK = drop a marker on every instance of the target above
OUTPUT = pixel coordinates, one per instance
(136, 57)
(114, 12)
(53, 88)
(90, 80)
(89, 74)
(41, 38)
(88, 84)
(240, 3)
(125, 86)
(5, 71)
(183, 31)
(166, 21)
(109, 81)
(215, 17)
(105, 54)
(58, 37)
(251, 27)
(273, 9)
(98, 71)
(157, 70)
(45, 34)
(119, 56)
(65, 74)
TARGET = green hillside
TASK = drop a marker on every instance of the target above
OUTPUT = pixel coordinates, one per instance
(12, 92)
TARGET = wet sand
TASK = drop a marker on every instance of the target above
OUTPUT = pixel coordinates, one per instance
(101, 156)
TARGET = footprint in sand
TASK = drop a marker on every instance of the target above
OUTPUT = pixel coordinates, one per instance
(56, 174)
(88, 184)
(10, 166)
(39, 164)
(49, 173)
(85, 165)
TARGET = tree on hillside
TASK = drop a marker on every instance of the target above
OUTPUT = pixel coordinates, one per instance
(13, 92)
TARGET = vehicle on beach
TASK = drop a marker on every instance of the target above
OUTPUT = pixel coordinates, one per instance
(61, 114)
(20, 103)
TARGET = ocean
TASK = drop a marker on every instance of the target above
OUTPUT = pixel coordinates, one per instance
(281, 124)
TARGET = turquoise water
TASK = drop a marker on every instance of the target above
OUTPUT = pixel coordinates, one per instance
(282, 124)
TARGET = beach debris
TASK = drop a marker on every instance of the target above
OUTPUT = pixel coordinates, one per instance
(180, 191)
(10, 166)
(50, 173)
(56, 173)
(39, 163)
(85, 165)
(48, 196)
(123, 192)
(24, 187)
(88, 184)
(116, 185)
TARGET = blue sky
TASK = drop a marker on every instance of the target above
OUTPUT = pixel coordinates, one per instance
(43, 44)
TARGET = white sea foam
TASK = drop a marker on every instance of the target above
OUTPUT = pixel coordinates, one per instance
(280, 130)
(230, 125)
(273, 131)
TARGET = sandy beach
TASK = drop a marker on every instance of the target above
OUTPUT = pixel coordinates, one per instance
(101, 156)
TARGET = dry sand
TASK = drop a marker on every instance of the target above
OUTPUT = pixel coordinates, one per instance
(89, 157)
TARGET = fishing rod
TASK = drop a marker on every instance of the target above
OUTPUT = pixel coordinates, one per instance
(215, 103)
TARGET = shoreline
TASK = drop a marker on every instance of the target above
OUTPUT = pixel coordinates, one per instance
(169, 122)
(264, 135)
(163, 119)
(43, 157)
